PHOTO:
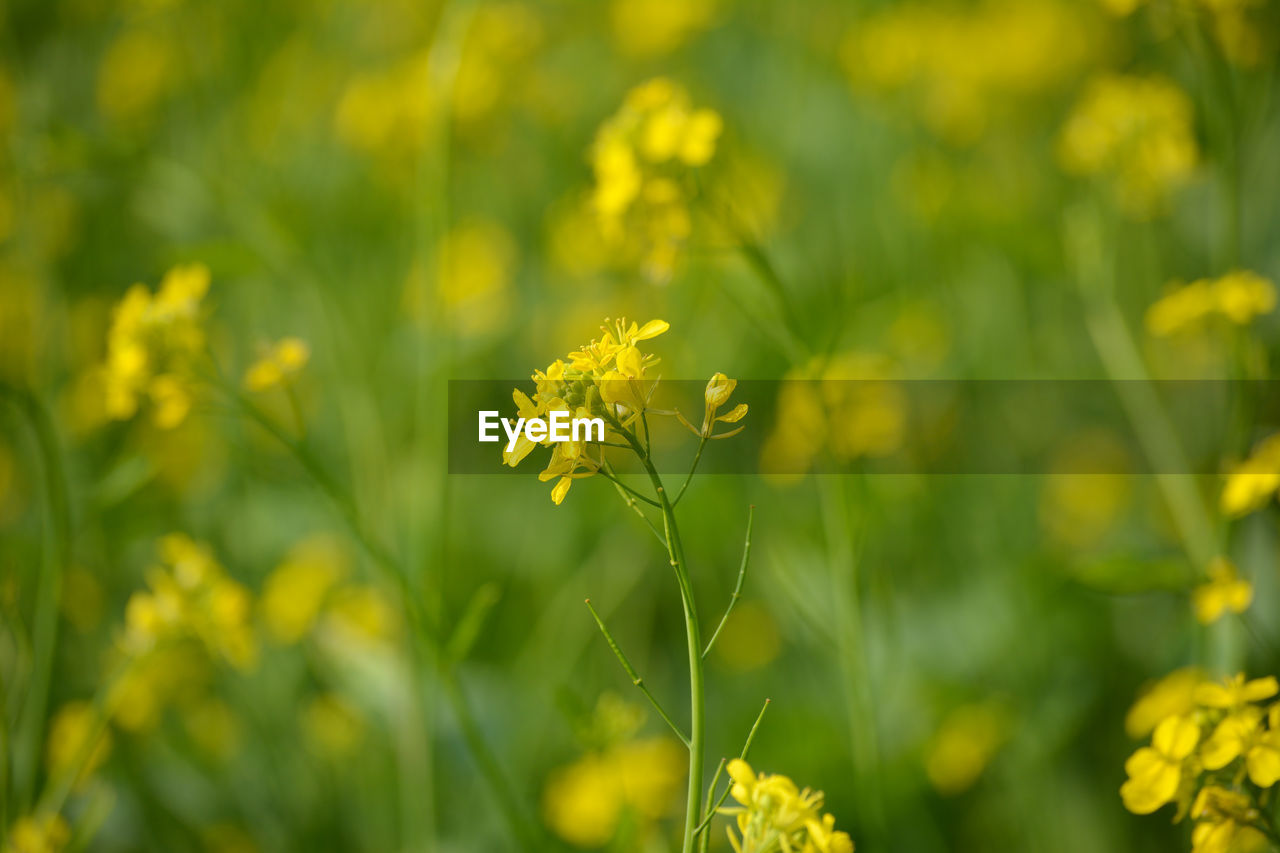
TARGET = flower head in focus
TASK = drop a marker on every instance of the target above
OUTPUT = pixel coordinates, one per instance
(775, 815)
(152, 342)
(607, 377)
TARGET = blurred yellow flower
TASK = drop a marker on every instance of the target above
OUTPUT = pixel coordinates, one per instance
(1240, 734)
(475, 263)
(1225, 591)
(77, 741)
(1238, 296)
(151, 344)
(584, 802)
(38, 834)
(388, 113)
(138, 70)
(1171, 696)
(190, 597)
(500, 40)
(1155, 772)
(1238, 33)
(642, 159)
(362, 614)
(1136, 131)
(281, 364)
(962, 67)
(964, 745)
(1253, 482)
(774, 816)
(645, 28)
(295, 591)
(750, 638)
(333, 725)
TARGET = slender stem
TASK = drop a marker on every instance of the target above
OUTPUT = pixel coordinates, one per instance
(635, 677)
(737, 589)
(693, 636)
(697, 457)
(621, 485)
(712, 809)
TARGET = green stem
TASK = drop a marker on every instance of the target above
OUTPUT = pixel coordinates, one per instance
(635, 676)
(712, 808)
(737, 589)
(693, 636)
(56, 553)
(697, 457)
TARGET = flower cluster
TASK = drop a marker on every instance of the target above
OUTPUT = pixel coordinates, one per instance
(1254, 481)
(775, 815)
(585, 802)
(1239, 297)
(1225, 591)
(846, 405)
(607, 376)
(282, 362)
(152, 341)
(1214, 754)
(191, 597)
(38, 834)
(642, 159)
(959, 65)
(1137, 131)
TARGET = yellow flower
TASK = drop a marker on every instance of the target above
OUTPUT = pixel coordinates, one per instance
(1235, 692)
(605, 377)
(1238, 297)
(1138, 131)
(1171, 696)
(137, 71)
(645, 28)
(77, 738)
(1240, 734)
(584, 802)
(278, 367)
(190, 597)
(641, 158)
(38, 834)
(151, 344)
(1225, 591)
(333, 725)
(1223, 823)
(718, 391)
(1255, 481)
(775, 815)
(963, 746)
(295, 591)
(1155, 771)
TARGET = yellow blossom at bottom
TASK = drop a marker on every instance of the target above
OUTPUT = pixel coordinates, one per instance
(45, 834)
(1155, 771)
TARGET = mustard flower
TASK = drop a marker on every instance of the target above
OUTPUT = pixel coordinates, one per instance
(191, 597)
(295, 591)
(775, 815)
(584, 802)
(641, 159)
(1235, 692)
(607, 376)
(1238, 297)
(1225, 591)
(38, 834)
(152, 342)
(1253, 482)
(75, 741)
(1241, 734)
(1136, 131)
(1224, 820)
(1171, 696)
(1155, 772)
(278, 367)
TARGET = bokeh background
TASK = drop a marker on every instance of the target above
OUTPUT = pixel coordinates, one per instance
(907, 190)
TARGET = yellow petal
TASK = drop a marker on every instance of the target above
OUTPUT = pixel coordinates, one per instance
(1176, 737)
(651, 329)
